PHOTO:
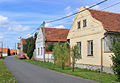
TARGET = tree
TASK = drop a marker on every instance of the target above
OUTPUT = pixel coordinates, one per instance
(61, 54)
(8, 52)
(116, 57)
(30, 46)
(75, 55)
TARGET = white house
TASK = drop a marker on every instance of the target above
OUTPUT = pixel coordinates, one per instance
(52, 35)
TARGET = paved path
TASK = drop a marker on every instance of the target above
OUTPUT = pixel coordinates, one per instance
(28, 73)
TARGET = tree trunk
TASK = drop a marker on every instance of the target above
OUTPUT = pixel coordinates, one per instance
(62, 66)
(73, 67)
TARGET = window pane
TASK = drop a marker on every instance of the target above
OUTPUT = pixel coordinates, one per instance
(84, 23)
(91, 47)
(79, 45)
(78, 24)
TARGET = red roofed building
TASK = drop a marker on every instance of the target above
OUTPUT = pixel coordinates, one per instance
(93, 31)
(4, 51)
(20, 52)
(52, 35)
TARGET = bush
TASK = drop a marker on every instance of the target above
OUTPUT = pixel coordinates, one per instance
(61, 54)
(116, 58)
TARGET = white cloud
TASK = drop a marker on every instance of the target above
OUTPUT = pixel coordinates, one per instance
(86, 6)
(18, 28)
(1, 37)
(3, 20)
(48, 25)
(67, 8)
(77, 9)
(59, 26)
(95, 7)
(69, 13)
(11, 25)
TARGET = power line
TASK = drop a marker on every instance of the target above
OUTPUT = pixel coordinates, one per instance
(101, 9)
(76, 12)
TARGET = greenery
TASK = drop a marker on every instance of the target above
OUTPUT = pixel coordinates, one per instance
(61, 54)
(116, 57)
(50, 46)
(5, 74)
(8, 52)
(84, 73)
(30, 46)
(75, 55)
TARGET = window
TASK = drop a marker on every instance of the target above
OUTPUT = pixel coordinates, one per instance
(79, 25)
(90, 48)
(38, 51)
(41, 50)
(79, 45)
(84, 23)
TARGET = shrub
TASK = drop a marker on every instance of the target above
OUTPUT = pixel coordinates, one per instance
(116, 58)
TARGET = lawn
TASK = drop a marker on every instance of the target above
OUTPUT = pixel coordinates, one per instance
(84, 73)
(5, 75)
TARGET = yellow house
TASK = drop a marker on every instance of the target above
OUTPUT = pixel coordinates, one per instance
(93, 31)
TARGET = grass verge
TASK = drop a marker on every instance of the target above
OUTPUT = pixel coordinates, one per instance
(5, 75)
(84, 73)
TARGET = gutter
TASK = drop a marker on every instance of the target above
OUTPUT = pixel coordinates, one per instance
(101, 66)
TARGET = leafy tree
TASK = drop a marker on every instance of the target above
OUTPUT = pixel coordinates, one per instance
(30, 46)
(61, 54)
(116, 57)
(75, 55)
(56, 52)
(8, 52)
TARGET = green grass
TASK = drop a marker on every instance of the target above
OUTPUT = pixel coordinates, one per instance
(84, 73)
(5, 75)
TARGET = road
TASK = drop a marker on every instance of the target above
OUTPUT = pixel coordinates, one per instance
(28, 73)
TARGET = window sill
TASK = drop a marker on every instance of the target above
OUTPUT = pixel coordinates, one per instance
(89, 55)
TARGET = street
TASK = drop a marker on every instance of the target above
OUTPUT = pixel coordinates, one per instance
(28, 73)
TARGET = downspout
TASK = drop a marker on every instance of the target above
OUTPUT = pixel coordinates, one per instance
(101, 66)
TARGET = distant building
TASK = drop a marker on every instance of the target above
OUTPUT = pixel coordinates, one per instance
(52, 35)
(20, 52)
(5, 50)
(93, 31)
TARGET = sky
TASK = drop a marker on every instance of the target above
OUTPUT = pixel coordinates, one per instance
(19, 18)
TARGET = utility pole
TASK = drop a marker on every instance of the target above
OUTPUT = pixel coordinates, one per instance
(15, 49)
(44, 40)
(2, 50)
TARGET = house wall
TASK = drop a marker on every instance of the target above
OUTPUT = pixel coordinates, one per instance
(94, 31)
(39, 45)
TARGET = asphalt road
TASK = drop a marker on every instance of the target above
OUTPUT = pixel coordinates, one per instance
(28, 73)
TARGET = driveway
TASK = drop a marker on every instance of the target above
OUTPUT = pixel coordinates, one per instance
(28, 73)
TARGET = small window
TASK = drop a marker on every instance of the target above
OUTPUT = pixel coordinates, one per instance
(38, 51)
(90, 48)
(79, 25)
(41, 50)
(79, 45)
(84, 23)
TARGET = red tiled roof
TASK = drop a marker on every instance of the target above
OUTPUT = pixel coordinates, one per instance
(110, 21)
(12, 51)
(23, 41)
(56, 34)
(6, 49)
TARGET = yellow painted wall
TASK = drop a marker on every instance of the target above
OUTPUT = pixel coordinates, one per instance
(94, 31)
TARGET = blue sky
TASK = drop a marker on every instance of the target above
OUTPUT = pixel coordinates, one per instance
(22, 17)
